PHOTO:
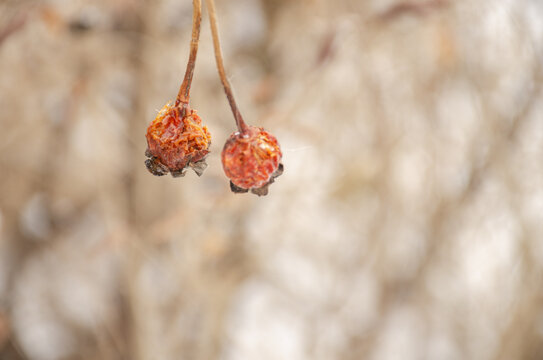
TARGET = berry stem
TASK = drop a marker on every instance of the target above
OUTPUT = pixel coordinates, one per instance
(184, 90)
(242, 127)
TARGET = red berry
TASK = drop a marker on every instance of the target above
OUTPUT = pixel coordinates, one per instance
(252, 160)
(176, 139)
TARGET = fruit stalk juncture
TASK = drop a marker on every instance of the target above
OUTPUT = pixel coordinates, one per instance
(176, 138)
(251, 157)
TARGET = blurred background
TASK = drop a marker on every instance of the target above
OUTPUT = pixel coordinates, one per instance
(408, 223)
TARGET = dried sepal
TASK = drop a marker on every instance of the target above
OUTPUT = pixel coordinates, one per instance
(252, 160)
(176, 140)
(199, 166)
(155, 167)
(236, 189)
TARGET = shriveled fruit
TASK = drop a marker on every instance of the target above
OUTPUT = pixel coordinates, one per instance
(252, 160)
(176, 139)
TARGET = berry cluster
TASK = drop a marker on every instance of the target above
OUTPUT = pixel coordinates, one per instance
(176, 138)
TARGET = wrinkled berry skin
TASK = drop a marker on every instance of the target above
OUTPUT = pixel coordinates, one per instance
(252, 160)
(176, 139)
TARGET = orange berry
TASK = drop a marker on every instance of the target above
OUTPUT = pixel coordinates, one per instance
(176, 140)
(252, 160)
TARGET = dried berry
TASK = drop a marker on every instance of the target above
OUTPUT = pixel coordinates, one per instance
(251, 157)
(176, 139)
(252, 160)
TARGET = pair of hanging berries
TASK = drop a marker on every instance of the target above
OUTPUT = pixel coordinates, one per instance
(176, 138)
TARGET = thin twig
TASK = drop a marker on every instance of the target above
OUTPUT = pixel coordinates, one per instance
(412, 8)
(13, 26)
(184, 91)
(242, 127)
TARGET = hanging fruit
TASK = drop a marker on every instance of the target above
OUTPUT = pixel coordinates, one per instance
(176, 138)
(251, 157)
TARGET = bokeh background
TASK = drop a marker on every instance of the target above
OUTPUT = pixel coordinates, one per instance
(408, 223)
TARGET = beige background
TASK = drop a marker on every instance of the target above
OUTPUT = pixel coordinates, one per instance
(407, 225)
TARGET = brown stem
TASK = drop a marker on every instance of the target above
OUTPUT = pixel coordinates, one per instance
(184, 90)
(242, 127)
